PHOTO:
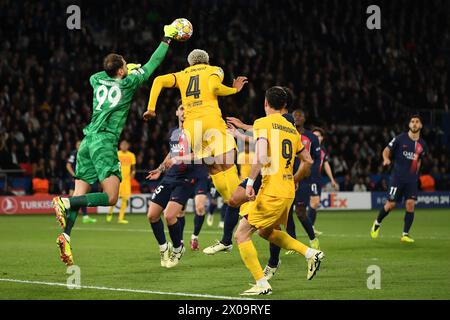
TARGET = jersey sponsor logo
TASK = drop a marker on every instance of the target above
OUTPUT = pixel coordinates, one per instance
(410, 155)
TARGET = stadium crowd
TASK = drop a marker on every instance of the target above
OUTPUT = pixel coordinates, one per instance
(358, 84)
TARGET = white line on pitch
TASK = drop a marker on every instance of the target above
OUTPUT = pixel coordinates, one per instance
(182, 294)
(342, 235)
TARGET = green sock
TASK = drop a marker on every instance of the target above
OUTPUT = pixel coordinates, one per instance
(70, 220)
(89, 200)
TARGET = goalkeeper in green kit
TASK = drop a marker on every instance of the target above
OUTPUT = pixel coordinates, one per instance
(97, 159)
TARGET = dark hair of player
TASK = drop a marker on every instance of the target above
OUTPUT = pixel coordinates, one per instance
(276, 97)
(416, 116)
(290, 97)
(322, 132)
(112, 63)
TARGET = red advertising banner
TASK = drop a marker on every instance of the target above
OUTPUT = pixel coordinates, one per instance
(37, 204)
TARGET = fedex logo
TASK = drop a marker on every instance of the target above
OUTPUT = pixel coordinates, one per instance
(334, 201)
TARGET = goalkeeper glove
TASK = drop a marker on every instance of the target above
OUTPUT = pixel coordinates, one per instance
(169, 32)
(133, 66)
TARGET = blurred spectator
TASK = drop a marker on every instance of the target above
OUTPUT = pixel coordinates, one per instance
(347, 184)
(360, 186)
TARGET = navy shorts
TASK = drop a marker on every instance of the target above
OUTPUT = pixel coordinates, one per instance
(402, 190)
(200, 186)
(302, 194)
(316, 188)
(179, 192)
(256, 184)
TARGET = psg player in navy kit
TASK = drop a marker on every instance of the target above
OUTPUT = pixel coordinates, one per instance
(171, 195)
(406, 151)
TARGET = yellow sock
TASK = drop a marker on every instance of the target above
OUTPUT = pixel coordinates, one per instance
(232, 179)
(111, 209)
(220, 183)
(285, 241)
(123, 207)
(250, 258)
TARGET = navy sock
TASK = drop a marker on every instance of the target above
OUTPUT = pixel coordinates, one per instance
(382, 214)
(198, 223)
(409, 218)
(274, 255)
(158, 231)
(290, 227)
(175, 234)
(182, 222)
(211, 208)
(231, 220)
(312, 214)
(307, 226)
(84, 211)
(223, 212)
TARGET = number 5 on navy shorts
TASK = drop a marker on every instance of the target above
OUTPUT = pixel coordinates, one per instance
(402, 190)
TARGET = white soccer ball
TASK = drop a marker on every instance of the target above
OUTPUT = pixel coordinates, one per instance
(184, 28)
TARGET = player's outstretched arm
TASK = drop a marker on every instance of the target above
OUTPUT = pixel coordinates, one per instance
(165, 81)
(239, 124)
(215, 85)
(157, 56)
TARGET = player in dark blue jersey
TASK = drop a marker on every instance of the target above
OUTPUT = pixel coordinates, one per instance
(308, 187)
(317, 188)
(171, 195)
(406, 151)
(71, 166)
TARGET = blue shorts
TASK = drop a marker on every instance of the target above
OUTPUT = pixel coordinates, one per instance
(402, 190)
(256, 184)
(179, 192)
(316, 188)
(302, 194)
(200, 186)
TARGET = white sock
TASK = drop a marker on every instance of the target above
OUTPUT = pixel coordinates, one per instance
(66, 202)
(177, 249)
(163, 247)
(66, 236)
(309, 253)
(194, 237)
(404, 234)
(377, 223)
(262, 282)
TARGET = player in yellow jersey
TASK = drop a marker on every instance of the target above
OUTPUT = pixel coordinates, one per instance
(277, 144)
(200, 84)
(127, 167)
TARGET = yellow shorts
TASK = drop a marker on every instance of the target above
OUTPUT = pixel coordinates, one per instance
(208, 136)
(125, 189)
(267, 211)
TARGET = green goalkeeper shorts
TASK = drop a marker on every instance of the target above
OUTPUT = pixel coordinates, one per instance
(97, 158)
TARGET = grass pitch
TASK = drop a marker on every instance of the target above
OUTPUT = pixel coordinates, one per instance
(122, 261)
